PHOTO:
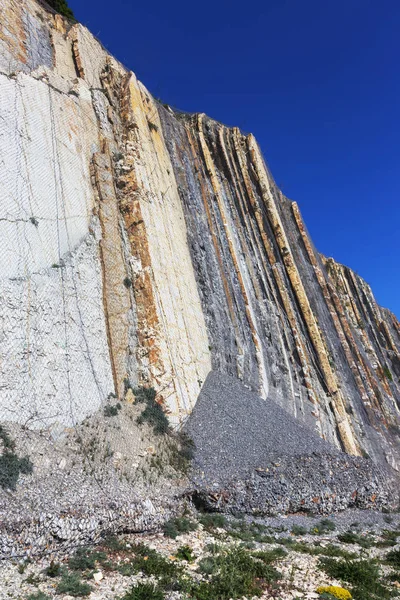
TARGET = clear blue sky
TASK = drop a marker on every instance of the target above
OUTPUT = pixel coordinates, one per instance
(316, 81)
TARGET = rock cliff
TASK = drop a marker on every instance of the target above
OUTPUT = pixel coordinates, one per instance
(144, 244)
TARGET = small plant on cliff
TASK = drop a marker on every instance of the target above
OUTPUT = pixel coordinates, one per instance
(153, 413)
(387, 373)
(62, 7)
(112, 410)
(152, 126)
(11, 465)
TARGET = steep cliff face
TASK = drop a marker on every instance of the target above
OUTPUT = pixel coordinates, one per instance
(144, 244)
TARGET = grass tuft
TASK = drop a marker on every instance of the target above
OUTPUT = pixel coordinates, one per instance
(72, 585)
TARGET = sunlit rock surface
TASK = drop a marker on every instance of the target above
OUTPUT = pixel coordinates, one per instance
(144, 244)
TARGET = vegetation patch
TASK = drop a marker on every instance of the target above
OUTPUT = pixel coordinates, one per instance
(364, 577)
(181, 451)
(152, 413)
(387, 372)
(235, 573)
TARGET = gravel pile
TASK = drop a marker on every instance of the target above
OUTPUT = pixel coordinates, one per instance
(253, 457)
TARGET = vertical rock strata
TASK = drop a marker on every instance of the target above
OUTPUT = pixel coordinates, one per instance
(145, 244)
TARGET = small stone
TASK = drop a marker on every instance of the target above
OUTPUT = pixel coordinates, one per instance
(130, 397)
(98, 576)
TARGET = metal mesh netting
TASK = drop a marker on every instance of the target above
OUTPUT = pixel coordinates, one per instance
(74, 458)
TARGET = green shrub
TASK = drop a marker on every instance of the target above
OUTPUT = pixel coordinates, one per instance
(33, 579)
(11, 465)
(38, 596)
(213, 548)
(363, 575)
(389, 538)
(144, 591)
(71, 584)
(185, 553)
(305, 548)
(112, 410)
(393, 558)
(53, 570)
(62, 7)
(207, 565)
(249, 532)
(175, 527)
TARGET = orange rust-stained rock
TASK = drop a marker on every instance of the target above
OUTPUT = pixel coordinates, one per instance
(117, 303)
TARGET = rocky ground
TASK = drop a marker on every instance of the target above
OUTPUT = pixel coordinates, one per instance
(209, 557)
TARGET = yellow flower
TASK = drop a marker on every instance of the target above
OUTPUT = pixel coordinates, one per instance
(335, 590)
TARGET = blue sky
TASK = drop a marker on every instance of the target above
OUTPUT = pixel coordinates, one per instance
(316, 81)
